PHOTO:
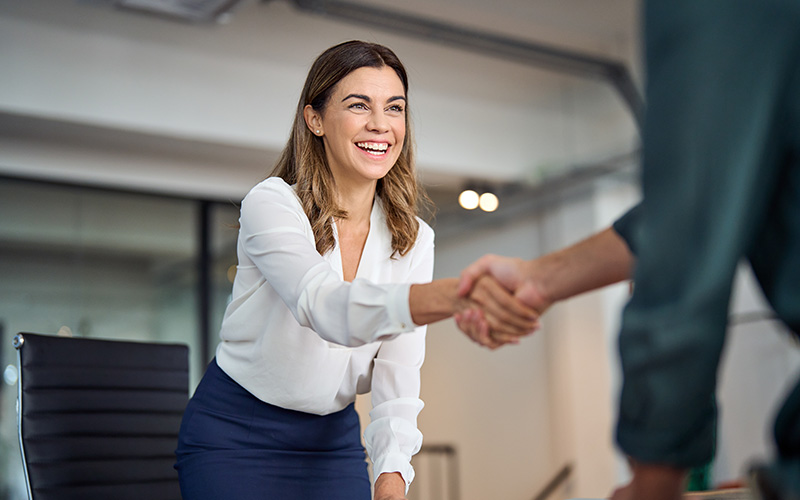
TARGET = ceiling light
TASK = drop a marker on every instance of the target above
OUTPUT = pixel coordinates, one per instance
(468, 199)
(488, 202)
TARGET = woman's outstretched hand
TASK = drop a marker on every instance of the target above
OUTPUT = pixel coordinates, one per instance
(499, 316)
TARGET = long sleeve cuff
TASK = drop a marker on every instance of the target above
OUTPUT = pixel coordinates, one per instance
(373, 304)
(392, 437)
(400, 308)
(667, 411)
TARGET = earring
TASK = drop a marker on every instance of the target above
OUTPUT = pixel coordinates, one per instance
(317, 132)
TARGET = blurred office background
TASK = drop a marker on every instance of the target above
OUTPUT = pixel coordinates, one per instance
(127, 140)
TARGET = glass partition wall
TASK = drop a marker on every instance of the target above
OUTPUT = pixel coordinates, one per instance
(107, 264)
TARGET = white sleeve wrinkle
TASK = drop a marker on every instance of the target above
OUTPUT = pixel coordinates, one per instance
(349, 314)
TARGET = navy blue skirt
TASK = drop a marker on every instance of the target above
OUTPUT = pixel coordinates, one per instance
(234, 446)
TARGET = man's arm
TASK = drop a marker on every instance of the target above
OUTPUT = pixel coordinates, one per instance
(597, 261)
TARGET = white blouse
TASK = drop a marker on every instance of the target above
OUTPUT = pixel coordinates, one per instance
(296, 335)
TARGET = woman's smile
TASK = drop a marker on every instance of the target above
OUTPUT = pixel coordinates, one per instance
(377, 149)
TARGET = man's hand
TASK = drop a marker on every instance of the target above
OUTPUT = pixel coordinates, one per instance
(516, 275)
(653, 482)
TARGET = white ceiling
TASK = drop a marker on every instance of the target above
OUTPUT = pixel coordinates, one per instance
(605, 27)
(81, 64)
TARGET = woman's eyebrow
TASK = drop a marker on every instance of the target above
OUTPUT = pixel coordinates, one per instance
(357, 96)
(367, 98)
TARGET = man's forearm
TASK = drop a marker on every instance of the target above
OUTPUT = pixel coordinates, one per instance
(600, 260)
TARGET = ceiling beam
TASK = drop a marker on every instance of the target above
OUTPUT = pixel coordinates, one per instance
(536, 54)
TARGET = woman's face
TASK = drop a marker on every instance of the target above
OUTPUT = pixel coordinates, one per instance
(363, 125)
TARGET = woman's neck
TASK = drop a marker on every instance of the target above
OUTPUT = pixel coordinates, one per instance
(356, 201)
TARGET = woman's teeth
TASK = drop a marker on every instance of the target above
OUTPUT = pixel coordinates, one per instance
(374, 148)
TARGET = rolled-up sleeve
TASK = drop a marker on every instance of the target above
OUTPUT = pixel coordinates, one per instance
(626, 226)
(275, 235)
(392, 437)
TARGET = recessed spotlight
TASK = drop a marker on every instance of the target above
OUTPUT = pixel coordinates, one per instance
(468, 199)
(488, 202)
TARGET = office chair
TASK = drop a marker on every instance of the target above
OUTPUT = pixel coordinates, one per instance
(99, 419)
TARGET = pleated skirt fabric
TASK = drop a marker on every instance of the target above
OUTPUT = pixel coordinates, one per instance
(234, 446)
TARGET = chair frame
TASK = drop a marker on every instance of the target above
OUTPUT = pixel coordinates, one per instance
(19, 341)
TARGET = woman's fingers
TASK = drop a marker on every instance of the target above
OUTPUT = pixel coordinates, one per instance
(502, 330)
(509, 314)
(473, 324)
(505, 338)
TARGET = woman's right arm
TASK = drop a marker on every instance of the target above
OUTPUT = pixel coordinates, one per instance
(439, 299)
(276, 236)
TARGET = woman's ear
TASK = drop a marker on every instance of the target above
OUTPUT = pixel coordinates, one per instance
(313, 120)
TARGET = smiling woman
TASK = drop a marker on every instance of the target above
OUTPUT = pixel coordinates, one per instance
(363, 130)
(370, 86)
(332, 286)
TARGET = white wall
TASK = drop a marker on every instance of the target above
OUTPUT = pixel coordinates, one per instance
(761, 362)
(582, 367)
(493, 406)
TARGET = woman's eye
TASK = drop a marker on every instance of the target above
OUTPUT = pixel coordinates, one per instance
(358, 105)
(396, 108)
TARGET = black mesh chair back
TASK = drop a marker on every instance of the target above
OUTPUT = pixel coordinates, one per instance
(99, 419)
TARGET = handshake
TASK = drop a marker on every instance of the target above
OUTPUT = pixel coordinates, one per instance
(499, 300)
(494, 302)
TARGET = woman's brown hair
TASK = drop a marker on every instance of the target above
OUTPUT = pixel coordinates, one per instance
(303, 161)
